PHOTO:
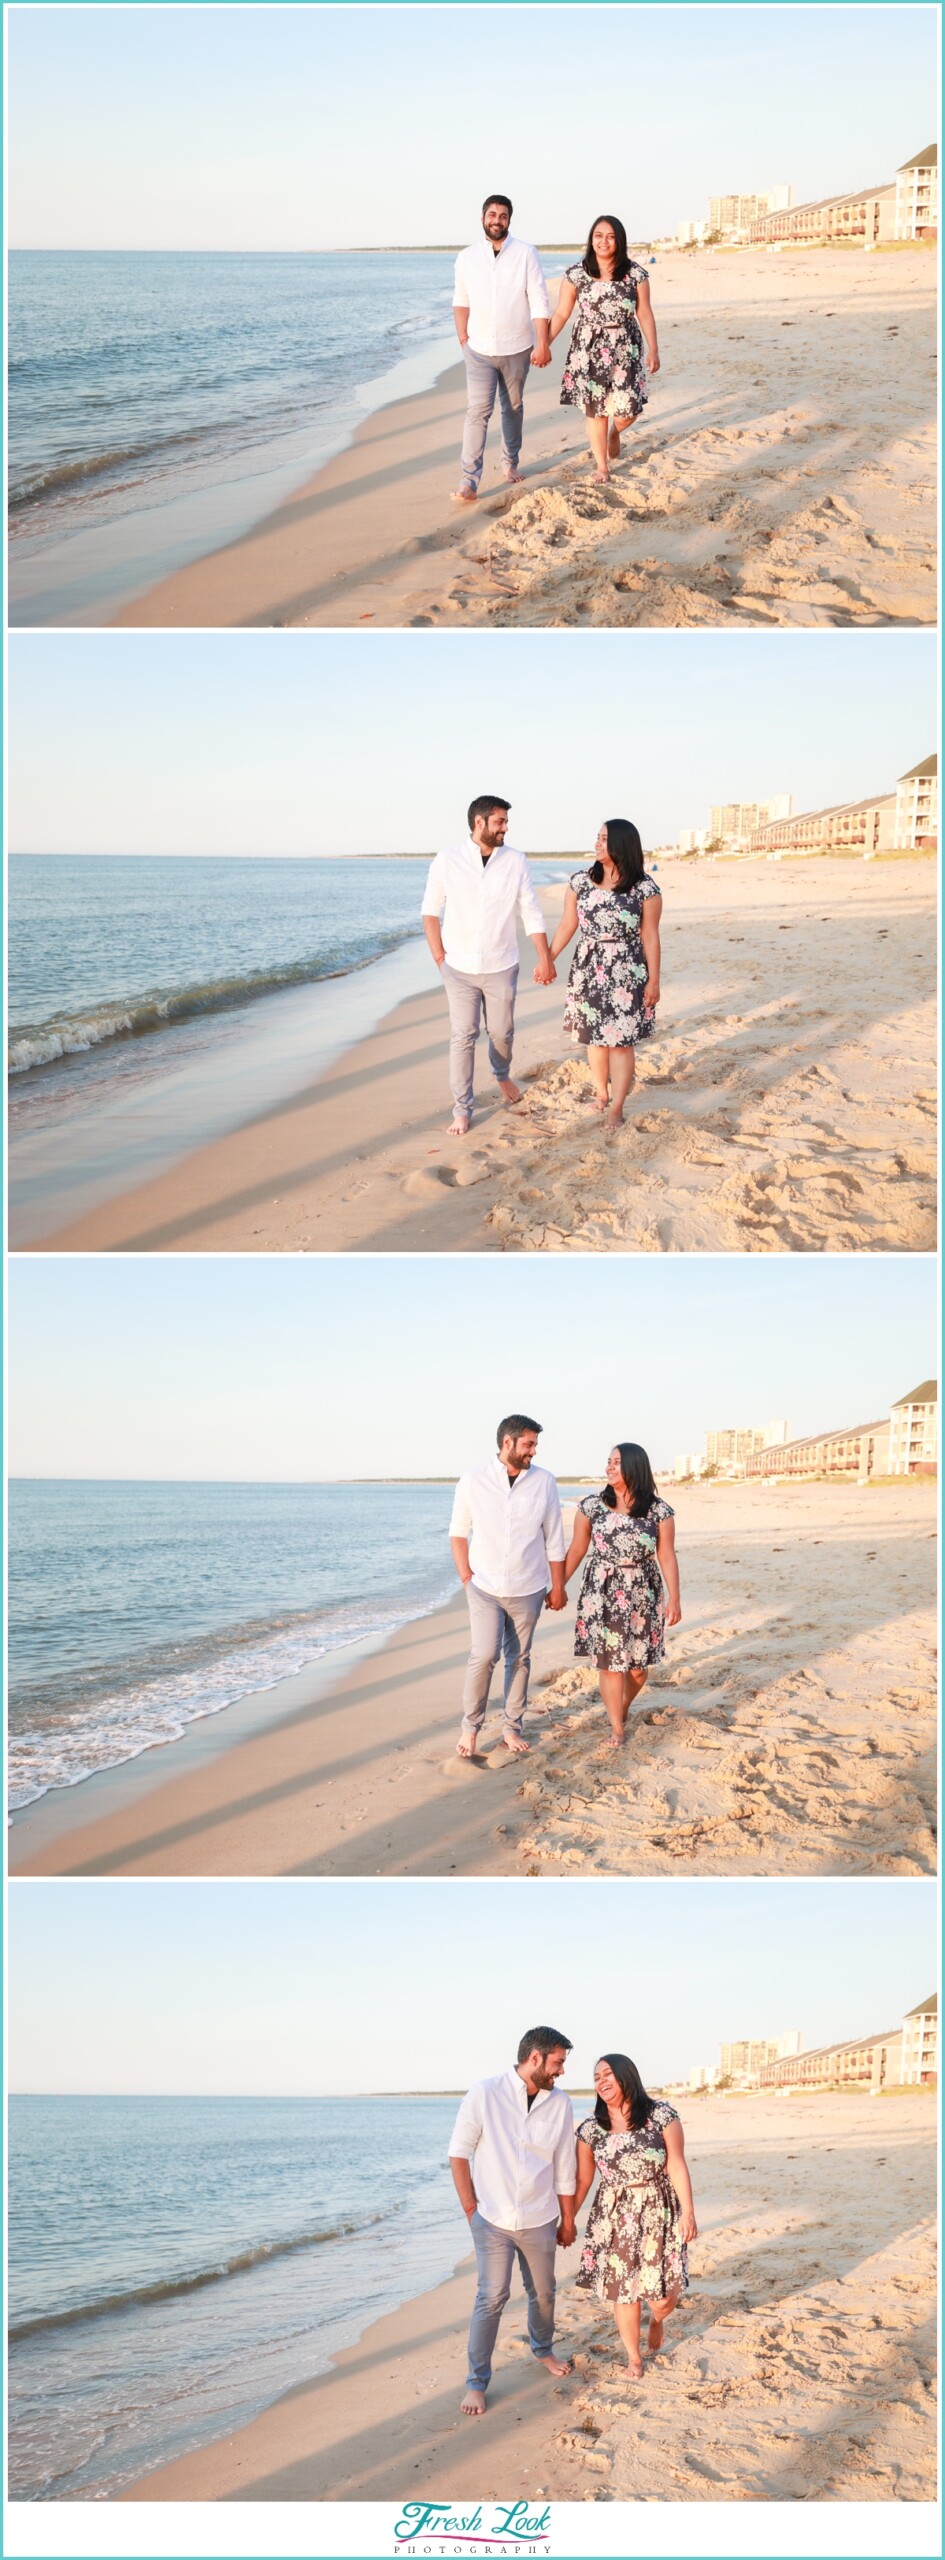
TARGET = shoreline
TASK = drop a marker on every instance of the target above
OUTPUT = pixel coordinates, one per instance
(778, 1108)
(758, 2297)
(749, 1755)
(764, 486)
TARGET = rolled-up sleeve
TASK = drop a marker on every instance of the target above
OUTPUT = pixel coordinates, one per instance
(461, 1514)
(566, 2160)
(556, 1545)
(434, 895)
(464, 2139)
(461, 294)
(528, 906)
(536, 287)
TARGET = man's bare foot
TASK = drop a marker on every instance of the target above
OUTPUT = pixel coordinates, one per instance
(510, 474)
(510, 1092)
(473, 2403)
(466, 1750)
(635, 2368)
(516, 1743)
(556, 2364)
(464, 497)
(654, 2338)
(460, 1125)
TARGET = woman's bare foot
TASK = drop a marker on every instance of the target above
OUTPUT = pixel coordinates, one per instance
(615, 1116)
(635, 2368)
(516, 1743)
(600, 1101)
(600, 477)
(460, 1125)
(473, 2403)
(510, 1092)
(613, 445)
(615, 1741)
(654, 2338)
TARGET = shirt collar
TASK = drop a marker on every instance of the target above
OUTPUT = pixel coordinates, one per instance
(523, 2092)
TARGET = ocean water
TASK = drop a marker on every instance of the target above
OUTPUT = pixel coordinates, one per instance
(135, 1608)
(161, 402)
(177, 2263)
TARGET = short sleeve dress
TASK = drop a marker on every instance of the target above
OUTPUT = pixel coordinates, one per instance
(621, 1611)
(632, 2250)
(604, 1008)
(605, 370)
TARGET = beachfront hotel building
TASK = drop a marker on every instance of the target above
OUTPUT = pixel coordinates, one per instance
(733, 822)
(906, 2055)
(920, 2044)
(726, 1452)
(733, 215)
(903, 1442)
(917, 196)
(916, 823)
(860, 220)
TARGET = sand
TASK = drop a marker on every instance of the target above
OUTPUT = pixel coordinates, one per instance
(785, 1104)
(800, 2365)
(783, 471)
(790, 1730)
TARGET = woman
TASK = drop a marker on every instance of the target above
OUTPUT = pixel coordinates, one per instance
(642, 2215)
(629, 1539)
(605, 372)
(614, 986)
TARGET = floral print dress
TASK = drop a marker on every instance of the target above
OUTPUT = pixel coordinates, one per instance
(621, 1609)
(605, 371)
(632, 2250)
(604, 1007)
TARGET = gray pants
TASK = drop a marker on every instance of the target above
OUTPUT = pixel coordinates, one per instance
(468, 999)
(496, 2252)
(498, 1626)
(486, 375)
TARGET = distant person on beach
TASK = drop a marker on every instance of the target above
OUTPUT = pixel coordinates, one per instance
(500, 306)
(514, 2166)
(606, 367)
(614, 988)
(473, 895)
(508, 1542)
(628, 1538)
(643, 2215)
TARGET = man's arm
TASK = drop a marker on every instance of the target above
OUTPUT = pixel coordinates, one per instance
(461, 317)
(566, 2182)
(431, 913)
(461, 302)
(461, 1530)
(534, 924)
(463, 2145)
(462, 2181)
(460, 1553)
(555, 1547)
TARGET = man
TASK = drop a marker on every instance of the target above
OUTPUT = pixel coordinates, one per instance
(507, 1538)
(514, 2168)
(500, 306)
(473, 895)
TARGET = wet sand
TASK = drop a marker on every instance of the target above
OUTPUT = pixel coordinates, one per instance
(780, 473)
(790, 1730)
(799, 2367)
(785, 1104)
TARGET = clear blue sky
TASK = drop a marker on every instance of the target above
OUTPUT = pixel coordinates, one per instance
(297, 128)
(284, 1369)
(353, 743)
(297, 1988)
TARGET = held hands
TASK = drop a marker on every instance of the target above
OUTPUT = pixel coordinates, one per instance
(567, 2231)
(545, 973)
(541, 355)
(556, 1600)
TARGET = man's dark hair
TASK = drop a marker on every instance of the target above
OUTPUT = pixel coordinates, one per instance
(543, 2040)
(637, 1474)
(513, 1427)
(483, 807)
(621, 253)
(631, 2089)
(626, 854)
(488, 200)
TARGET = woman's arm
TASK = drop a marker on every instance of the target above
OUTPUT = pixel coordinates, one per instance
(568, 925)
(648, 326)
(586, 2174)
(650, 938)
(567, 298)
(669, 1568)
(680, 2178)
(580, 1541)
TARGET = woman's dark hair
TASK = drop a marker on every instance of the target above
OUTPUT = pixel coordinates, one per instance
(621, 255)
(637, 1474)
(626, 853)
(632, 2091)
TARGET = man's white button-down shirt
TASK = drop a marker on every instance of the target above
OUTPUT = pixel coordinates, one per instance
(513, 1525)
(503, 294)
(522, 2157)
(477, 903)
